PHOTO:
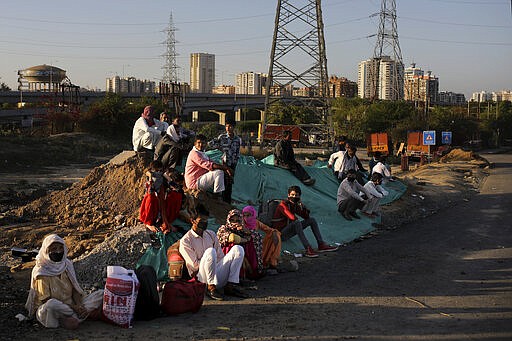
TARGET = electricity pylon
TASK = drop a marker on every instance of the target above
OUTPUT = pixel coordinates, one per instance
(170, 67)
(387, 46)
(298, 61)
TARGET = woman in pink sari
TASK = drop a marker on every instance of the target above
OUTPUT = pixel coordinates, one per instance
(268, 250)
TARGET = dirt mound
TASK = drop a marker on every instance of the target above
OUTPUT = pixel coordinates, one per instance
(86, 211)
(458, 155)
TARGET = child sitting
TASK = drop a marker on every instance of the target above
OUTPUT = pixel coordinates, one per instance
(172, 200)
(149, 213)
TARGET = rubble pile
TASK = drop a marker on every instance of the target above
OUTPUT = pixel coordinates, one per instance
(123, 248)
(457, 155)
(87, 211)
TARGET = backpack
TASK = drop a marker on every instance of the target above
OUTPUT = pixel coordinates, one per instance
(266, 211)
(147, 306)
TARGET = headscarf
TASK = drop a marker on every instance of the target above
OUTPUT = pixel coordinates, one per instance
(251, 221)
(234, 212)
(46, 267)
(147, 114)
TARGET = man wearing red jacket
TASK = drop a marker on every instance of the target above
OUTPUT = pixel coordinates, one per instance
(285, 220)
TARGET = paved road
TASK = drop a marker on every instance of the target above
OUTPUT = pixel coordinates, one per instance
(448, 277)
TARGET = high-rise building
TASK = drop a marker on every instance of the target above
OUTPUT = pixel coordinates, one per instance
(482, 96)
(451, 98)
(419, 86)
(133, 85)
(342, 87)
(250, 83)
(503, 95)
(202, 72)
(387, 71)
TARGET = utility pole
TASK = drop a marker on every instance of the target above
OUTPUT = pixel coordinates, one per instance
(299, 39)
(387, 46)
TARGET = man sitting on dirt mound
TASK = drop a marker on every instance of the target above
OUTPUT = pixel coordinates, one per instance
(285, 220)
(284, 157)
(204, 258)
(201, 172)
(147, 131)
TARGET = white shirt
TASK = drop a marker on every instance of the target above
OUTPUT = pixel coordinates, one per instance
(177, 134)
(381, 169)
(375, 190)
(193, 246)
(349, 189)
(342, 162)
(140, 128)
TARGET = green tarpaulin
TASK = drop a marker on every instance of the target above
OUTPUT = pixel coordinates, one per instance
(257, 181)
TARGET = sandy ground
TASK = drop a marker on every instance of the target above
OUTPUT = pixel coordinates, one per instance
(293, 305)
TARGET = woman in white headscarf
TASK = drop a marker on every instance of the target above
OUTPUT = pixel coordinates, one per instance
(55, 297)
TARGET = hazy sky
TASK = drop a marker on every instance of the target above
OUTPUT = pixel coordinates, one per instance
(466, 43)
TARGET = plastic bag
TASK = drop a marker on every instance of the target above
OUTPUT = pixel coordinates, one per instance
(120, 296)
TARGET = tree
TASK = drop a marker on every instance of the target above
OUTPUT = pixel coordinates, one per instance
(4, 87)
(291, 114)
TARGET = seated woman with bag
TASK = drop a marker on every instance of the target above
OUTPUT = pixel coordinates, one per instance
(234, 233)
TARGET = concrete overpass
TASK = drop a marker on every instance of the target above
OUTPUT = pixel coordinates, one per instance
(193, 103)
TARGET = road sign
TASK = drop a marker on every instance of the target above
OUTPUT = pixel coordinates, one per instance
(429, 138)
(446, 137)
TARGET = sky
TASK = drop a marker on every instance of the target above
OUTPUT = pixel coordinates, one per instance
(467, 44)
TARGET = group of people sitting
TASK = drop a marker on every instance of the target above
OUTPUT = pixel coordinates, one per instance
(354, 192)
(243, 249)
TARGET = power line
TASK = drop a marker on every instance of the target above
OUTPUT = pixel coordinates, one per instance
(484, 2)
(459, 42)
(453, 23)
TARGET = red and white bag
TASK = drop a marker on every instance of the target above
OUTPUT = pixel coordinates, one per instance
(120, 296)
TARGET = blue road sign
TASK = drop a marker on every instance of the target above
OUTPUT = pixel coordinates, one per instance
(446, 137)
(429, 138)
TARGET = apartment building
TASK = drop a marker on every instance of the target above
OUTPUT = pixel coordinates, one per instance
(250, 83)
(380, 77)
(419, 86)
(202, 72)
(342, 87)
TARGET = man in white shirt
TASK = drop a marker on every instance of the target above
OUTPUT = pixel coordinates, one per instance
(348, 197)
(205, 259)
(374, 192)
(383, 170)
(147, 131)
(344, 160)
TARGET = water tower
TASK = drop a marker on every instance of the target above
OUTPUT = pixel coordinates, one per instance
(45, 78)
